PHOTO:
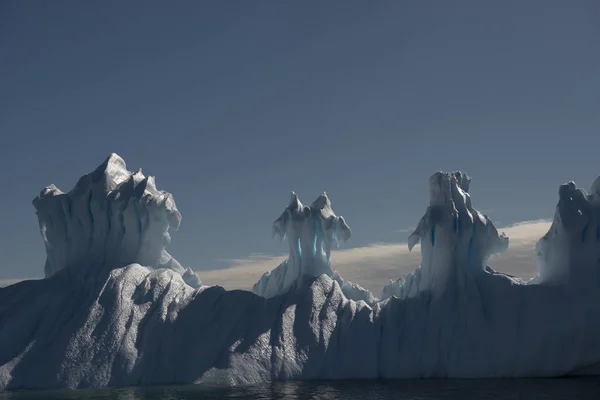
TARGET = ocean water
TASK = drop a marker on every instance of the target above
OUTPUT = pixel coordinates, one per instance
(481, 389)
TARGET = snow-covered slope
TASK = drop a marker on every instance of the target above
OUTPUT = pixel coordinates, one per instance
(134, 325)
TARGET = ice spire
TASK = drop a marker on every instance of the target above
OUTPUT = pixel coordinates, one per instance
(111, 218)
(310, 232)
(455, 238)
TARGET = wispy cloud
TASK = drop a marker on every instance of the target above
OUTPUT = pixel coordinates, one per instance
(371, 266)
(410, 229)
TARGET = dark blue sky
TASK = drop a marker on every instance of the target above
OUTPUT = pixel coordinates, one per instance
(233, 104)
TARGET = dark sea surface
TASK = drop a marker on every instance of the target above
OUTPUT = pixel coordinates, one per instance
(530, 389)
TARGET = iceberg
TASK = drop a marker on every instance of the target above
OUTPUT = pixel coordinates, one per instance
(456, 240)
(112, 217)
(310, 232)
(115, 309)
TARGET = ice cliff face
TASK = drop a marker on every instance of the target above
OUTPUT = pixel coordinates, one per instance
(134, 324)
(110, 219)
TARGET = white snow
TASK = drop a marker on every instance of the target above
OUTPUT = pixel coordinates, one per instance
(102, 319)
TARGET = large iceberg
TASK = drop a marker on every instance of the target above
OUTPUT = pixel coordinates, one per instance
(116, 309)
